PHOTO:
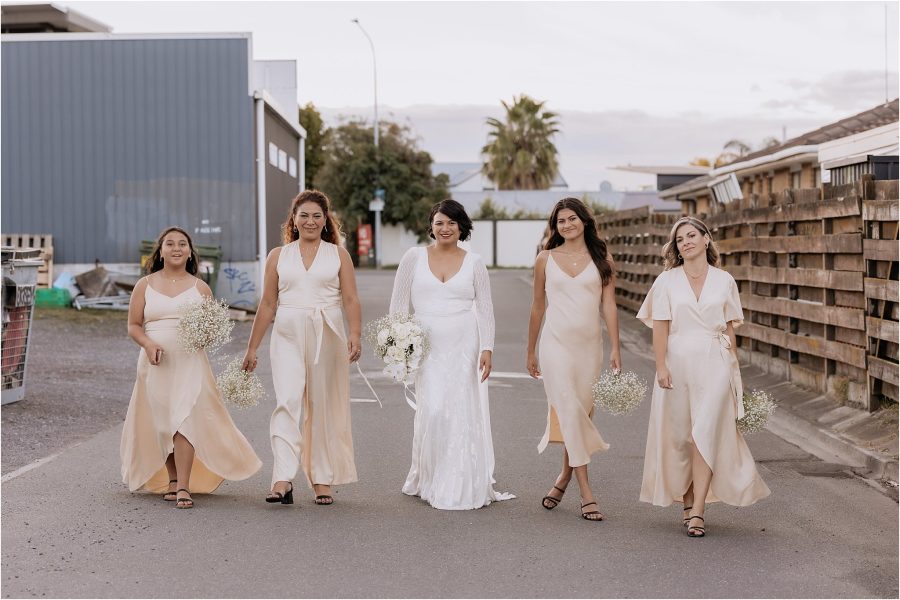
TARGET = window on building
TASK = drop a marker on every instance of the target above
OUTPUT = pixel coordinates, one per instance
(795, 180)
(292, 166)
(273, 154)
(282, 160)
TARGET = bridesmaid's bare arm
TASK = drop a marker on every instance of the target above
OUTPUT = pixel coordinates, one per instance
(538, 308)
(136, 323)
(729, 330)
(611, 317)
(660, 346)
(204, 289)
(266, 310)
(350, 301)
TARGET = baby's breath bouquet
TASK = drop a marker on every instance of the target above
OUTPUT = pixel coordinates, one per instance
(204, 325)
(619, 393)
(400, 341)
(240, 388)
(758, 406)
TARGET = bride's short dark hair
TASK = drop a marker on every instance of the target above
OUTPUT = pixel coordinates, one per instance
(456, 212)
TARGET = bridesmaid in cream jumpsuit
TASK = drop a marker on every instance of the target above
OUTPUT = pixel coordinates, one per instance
(308, 281)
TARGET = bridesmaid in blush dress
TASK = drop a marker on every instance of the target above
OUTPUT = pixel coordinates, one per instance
(576, 275)
(695, 453)
(177, 430)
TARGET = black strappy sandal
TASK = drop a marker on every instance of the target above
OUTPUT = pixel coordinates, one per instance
(173, 494)
(324, 500)
(183, 502)
(586, 514)
(555, 501)
(687, 519)
(285, 498)
(692, 528)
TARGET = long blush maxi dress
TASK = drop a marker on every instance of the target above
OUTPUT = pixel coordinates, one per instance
(310, 368)
(179, 395)
(571, 358)
(705, 399)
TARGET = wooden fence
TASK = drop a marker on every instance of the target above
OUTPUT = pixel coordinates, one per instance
(817, 274)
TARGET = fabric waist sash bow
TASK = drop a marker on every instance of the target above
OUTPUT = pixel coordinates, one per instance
(737, 385)
(320, 318)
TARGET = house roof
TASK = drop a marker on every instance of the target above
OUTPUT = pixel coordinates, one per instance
(48, 16)
(461, 172)
(664, 170)
(883, 114)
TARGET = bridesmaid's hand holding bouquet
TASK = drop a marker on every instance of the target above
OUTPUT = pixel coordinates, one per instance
(204, 325)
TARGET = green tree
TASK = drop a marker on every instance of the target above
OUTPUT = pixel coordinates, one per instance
(352, 170)
(316, 138)
(520, 154)
(489, 210)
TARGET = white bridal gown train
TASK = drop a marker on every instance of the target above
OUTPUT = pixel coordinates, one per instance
(452, 453)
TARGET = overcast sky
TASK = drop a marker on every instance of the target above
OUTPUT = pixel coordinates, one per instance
(656, 81)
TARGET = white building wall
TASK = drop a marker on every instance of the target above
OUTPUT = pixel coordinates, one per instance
(395, 241)
(517, 242)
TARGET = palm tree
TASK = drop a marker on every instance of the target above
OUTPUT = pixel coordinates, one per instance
(520, 154)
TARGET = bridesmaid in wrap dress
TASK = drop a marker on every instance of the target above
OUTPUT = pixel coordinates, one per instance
(695, 453)
(177, 430)
(307, 282)
(576, 275)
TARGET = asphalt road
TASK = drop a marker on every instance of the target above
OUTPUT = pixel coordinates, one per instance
(71, 529)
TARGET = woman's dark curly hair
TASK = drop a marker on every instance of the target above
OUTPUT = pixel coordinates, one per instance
(330, 233)
(456, 212)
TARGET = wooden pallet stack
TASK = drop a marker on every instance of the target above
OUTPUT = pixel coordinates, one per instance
(32, 240)
(635, 238)
(880, 251)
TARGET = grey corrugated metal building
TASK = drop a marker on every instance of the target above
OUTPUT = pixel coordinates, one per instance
(107, 139)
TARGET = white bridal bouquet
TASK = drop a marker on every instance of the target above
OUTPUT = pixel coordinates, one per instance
(758, 406)
(619, 393)
(204, 325)
(239, 388)
(400, 341)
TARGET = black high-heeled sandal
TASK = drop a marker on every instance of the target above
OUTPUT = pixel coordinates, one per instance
(183, 502)
(285, 498)
(173, 494)
(555, 501)
(586, 515)
(324, 500)
(687, 519)
(697, 528)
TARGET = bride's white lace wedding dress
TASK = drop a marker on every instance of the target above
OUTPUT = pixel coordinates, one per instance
(453, 453)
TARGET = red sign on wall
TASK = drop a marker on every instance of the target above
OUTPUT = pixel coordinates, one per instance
(364, 237)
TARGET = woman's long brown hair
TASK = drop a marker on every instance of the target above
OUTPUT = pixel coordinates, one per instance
(595, 245)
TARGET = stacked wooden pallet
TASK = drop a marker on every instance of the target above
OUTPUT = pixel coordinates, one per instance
(32, 240)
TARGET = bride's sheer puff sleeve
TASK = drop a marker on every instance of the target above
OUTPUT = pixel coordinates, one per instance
(484, 307)
(400, 296)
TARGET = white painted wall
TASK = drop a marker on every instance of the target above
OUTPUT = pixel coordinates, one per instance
(395, 241)
(482, 240)
(517, 242)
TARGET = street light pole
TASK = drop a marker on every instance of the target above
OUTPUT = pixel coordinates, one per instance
(377, 204)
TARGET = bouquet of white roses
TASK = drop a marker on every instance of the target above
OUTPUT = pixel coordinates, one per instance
(619, 393)
(239, 388)
(758, 406)
(400, 341)
(204, 325)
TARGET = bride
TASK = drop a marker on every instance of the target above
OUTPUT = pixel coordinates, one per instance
(452, 454)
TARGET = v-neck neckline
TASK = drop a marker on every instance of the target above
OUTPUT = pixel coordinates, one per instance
(697, 297)
(449, 279)
(168, 296)
(566, 273)
(312, 264)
